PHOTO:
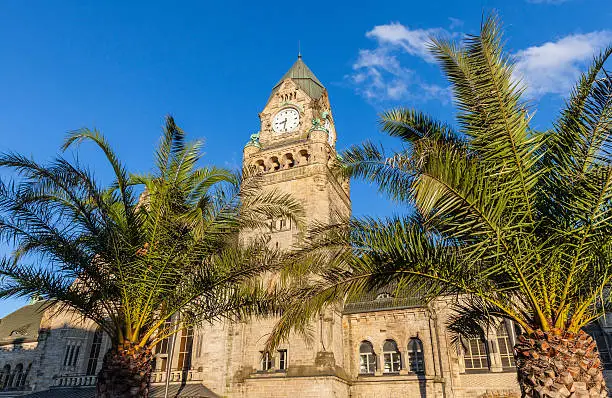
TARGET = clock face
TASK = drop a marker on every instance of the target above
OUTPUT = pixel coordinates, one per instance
(286, 120)
(331, 134)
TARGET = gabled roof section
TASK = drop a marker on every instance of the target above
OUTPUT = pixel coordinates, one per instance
(22, 325)
(301, 74)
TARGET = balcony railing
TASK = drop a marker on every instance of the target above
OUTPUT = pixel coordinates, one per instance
(177, 375)
(74, 381)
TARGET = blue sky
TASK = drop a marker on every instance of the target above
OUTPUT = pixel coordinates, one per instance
(121, 66)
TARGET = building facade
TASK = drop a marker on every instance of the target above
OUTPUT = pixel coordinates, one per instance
(380, 346)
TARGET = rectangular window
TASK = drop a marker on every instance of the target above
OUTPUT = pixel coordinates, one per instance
(94, 354)
(75, 356)
(162, 347)
(185, 349)
(505, 338)
(475, 354)
(72, 354)
(266, 361)
(367, 363)
(282, 359)
(392, 362)
(68, 348)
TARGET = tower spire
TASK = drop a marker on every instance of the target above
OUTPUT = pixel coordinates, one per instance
(299, 50)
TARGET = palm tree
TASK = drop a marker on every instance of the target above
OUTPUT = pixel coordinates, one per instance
(518, 222)
(141, 268)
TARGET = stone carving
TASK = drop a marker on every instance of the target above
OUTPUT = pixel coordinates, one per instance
(254, 140)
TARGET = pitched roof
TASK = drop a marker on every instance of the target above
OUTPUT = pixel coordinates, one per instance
(381, 299)
(22, 325)
(301, 74)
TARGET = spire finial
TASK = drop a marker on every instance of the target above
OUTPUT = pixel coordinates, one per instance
(299, 51)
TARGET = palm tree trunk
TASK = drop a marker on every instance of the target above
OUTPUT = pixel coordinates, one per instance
(125, 372)
(559, 364)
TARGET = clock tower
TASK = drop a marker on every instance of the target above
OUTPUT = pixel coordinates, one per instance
(295, 149)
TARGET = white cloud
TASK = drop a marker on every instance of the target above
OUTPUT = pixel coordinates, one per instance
(553, 67)
(383, 73)
(413, 41)
(455, 23)
(378, 74)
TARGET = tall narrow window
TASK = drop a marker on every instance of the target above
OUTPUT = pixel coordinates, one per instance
(391, 355)
(94, 353)
(282, 359)
(185, 349)
(67, 354)
(266, 360)
(416, 356)
(6, 373)
(72, 354)
(475, 354)
(367, 358)
(76, 355)
(25, 376)
(161, 348)
(17, 375)
(505, 342)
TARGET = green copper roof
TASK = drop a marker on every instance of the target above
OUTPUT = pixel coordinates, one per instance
(304, 78)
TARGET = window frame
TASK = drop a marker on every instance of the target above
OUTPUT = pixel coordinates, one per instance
(17, 375)
(466, 344)
(71, 356)
(185, 349)
(416, 356)
(283, 360)
(94, 353)
(367, 358)
(25, 375)
(265, 363)
(6, 373)
(392, 358)
(505, 342)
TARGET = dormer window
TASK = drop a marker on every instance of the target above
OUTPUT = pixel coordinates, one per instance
(383, 296)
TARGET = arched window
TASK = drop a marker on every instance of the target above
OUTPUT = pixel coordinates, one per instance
(416, 356)
(367, 358)
(5, 377)
(475, 353)
(274, 163)
(289, 161)
(505, 343)
(17, 375)
(391, 355)
(94, 353)
(304, 156)
(25, 376)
